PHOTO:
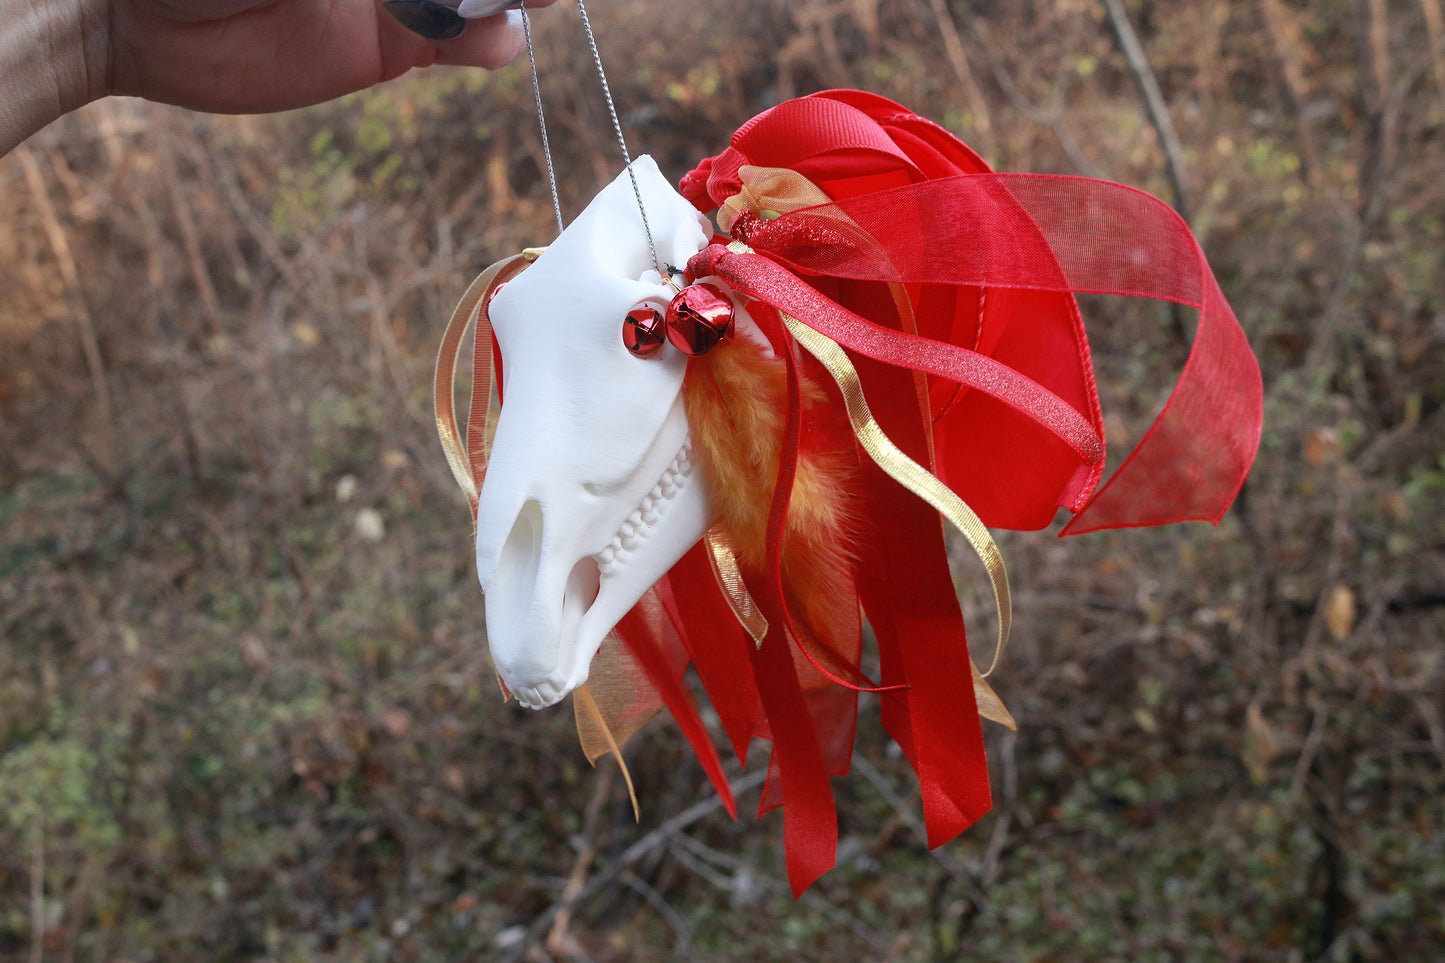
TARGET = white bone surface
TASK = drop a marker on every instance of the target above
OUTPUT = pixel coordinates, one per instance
(589, 496)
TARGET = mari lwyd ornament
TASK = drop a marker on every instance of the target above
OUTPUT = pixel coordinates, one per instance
(732, 466)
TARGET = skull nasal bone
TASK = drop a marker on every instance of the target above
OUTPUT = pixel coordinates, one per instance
(583, 585)
(521, 555)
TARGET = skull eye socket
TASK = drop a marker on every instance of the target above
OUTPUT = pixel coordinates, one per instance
(643, 331)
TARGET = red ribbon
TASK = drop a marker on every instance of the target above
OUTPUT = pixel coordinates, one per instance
(986, 231)
(757, 277)
(989, 262)
(1041, 233)
(645, 632)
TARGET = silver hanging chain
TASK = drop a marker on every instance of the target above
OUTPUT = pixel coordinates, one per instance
(616, 128)
(621, 141)
(541, 118)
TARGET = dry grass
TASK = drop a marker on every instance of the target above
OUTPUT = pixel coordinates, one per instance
(233, 726)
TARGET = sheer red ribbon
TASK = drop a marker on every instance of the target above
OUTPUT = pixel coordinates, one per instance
(1008, 418)
(985, 231)
(1041, 233)
(984, 376)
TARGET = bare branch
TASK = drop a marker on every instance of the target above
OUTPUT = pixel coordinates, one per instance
(634, 854)
(1290, 51)
(1435, 36)
(1053, 118)
(671, 916)
(705, 854)
(958, 60)
(70, 273)
(1153, 101)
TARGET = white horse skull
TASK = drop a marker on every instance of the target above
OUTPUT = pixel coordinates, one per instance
(589, 496)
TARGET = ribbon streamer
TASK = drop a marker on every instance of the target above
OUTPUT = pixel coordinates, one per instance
(582, 697)
(1059, 234)
(443, 379)
(730, 580)
(468, 459)
(909, 473)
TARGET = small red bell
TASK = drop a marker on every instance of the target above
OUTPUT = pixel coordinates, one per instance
(699, 318)
(642, 331)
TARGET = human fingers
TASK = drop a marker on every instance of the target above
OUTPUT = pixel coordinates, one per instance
(471, 9)
(427, 18)
(489, 43)
(446, 19)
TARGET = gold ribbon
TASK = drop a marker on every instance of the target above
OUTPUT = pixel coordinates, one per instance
(467, 469)
(443, 393)
(783, 190)
(583, 702)
(730, 579)
(908, 472)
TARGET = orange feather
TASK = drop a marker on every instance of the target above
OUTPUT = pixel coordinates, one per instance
(736, 398)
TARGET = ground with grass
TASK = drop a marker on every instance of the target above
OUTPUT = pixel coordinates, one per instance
(246, 711)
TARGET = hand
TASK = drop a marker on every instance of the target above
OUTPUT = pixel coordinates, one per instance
(229, 56)
(247, 56)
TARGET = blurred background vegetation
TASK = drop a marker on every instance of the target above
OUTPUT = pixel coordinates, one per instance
(246, 711)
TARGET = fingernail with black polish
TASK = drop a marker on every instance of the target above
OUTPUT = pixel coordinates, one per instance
(427, 18)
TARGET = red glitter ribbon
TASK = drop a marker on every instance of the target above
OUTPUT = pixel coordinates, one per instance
(1007, 414)
(1061, 234)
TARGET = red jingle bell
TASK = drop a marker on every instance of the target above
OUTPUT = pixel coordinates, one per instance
(699, 318)
(642, 331)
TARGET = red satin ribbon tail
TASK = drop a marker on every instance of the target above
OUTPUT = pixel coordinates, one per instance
(810, 815)
(642, 632)
(718, 646)
(909, 598)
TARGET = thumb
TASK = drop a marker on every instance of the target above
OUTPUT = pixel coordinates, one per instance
(489, 43)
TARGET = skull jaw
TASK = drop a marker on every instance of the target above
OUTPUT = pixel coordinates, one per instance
(550, 607)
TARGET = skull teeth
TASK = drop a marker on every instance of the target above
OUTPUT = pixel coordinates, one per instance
(633, 530)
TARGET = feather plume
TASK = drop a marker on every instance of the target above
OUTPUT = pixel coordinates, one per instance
(736, 398)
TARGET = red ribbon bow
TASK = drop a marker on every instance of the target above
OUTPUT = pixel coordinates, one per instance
(1008, 418)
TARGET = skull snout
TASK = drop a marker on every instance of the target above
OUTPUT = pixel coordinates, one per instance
(535, 602)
